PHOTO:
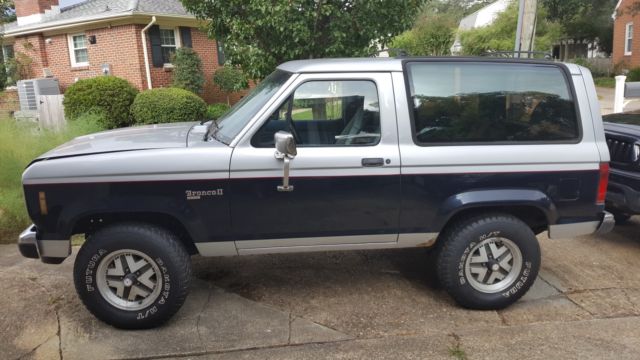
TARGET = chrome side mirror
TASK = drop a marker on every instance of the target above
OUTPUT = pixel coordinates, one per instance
(285, 150)
(285, 145)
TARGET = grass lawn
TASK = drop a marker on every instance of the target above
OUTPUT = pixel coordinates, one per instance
(605, 82)
(19, 144)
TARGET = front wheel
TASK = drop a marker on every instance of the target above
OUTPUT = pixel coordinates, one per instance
(132, 276)
(488, 262)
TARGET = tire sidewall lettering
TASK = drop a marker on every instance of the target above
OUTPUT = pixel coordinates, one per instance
(89, 273)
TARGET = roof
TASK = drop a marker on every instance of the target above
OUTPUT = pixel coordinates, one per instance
(484, 16)
(102, 9)
(394, 64)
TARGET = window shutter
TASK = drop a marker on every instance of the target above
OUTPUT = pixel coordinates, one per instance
(221, 59)
(185, 36)
(156, 46)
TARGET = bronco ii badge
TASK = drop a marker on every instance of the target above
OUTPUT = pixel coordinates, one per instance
(197, 195)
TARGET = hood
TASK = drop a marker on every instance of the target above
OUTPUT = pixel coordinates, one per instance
(622, 129)
(161, 136)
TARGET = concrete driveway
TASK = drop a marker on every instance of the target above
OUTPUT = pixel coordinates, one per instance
(353, 305)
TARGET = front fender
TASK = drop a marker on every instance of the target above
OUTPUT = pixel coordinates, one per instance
(496, 198)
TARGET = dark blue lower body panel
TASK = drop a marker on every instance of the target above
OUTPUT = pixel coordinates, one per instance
(248, 209)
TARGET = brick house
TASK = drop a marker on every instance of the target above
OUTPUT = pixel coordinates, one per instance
(626, 44)
(132, 39)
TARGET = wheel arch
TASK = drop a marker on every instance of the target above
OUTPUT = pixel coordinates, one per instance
(89, 223)
(533, 207)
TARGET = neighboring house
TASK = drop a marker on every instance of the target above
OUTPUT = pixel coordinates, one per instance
(481, 18)
(625, 41)
(132, 39)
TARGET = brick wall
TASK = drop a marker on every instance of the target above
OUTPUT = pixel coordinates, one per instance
(30, 7)
(619, 31)
(9, 103)
(207, 50)
(121, 48)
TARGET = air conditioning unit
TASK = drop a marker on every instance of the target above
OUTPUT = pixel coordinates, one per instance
(29, 92)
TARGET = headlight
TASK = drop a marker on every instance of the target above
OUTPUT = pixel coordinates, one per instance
(636, 152)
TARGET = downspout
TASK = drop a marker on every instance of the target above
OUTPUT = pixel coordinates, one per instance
(146, 52)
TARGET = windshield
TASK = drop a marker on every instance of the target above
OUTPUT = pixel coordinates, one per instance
(241, 113)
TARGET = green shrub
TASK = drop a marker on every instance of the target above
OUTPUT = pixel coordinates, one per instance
(107, 95)
(187, 70)
(167, 105)
(19, 144)
(230, 79)
(634, 74)
(3, 76)
(215, 111)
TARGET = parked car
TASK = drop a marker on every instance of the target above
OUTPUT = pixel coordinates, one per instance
(472, 156)
(623, 138)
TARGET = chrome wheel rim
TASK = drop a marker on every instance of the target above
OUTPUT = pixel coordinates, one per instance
(493, 265)
(129, 280)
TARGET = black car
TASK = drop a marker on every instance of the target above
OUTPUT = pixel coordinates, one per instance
(623, 138)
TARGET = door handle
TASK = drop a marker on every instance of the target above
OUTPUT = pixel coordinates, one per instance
(372, 162)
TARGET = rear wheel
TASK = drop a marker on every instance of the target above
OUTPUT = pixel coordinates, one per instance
(132, 276)
(488, 262)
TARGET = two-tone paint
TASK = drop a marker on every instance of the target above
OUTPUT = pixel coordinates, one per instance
(223, 198)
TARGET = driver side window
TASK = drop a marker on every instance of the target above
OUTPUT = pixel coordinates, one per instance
(327, 113)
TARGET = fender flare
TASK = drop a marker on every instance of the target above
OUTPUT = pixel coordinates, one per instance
(496, 198)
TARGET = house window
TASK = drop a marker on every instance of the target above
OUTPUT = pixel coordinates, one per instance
(78, 50)
(169, 40)
(628, 39)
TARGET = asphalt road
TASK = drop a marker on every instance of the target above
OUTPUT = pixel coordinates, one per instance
(350, 305)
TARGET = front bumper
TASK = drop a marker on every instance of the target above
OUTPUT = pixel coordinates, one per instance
(603, 226)
(49, 251)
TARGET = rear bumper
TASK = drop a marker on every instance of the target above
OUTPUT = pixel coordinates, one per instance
(603, 226)
(49, 251)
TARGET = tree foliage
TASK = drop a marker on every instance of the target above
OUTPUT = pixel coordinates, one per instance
(260, 34)
(431, 36)
(187, 71)
(229, 79)
(583, 19)
(500, 36)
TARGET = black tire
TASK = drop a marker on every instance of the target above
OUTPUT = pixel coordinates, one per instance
(171, 273)
(465, 237)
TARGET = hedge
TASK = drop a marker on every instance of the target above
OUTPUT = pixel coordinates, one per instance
(109, 96)
(167, 105)
(215, 111)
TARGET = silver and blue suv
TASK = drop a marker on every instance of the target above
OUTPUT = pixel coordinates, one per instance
(471, 156)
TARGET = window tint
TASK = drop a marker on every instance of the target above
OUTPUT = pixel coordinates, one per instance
(327, 113)
(472, 102)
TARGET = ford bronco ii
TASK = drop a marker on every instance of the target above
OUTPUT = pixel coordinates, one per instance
(471, 156)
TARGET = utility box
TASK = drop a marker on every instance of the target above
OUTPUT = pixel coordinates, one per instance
(29, 92)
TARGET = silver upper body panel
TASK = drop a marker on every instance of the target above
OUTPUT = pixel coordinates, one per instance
(133, 138)
(178, 151)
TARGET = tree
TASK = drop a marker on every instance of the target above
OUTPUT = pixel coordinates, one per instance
(187, 71)
(500, 36)
(260, 34)
(431, 36)
(230, 79)
(588, 20)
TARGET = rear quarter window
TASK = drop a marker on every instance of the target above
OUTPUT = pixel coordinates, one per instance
(455, 103)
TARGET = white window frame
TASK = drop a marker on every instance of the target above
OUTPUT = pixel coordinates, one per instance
(628, 39)
(176, 35)
(72, 53)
